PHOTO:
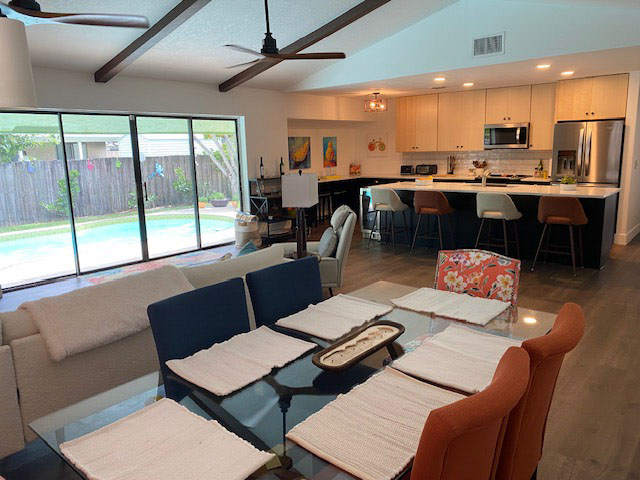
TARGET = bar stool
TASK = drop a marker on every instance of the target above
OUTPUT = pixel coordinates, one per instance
(388, 201)
(497, 206)
(432, 203)
(325, 207)
(561, 211)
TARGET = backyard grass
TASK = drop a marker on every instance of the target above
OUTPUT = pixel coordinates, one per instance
(83, 223)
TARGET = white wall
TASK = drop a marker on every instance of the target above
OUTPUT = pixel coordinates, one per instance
(629, 207)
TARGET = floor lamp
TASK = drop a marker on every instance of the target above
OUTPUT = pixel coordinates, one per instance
(300, 191)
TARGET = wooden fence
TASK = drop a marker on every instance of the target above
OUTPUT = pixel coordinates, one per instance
(105, 185)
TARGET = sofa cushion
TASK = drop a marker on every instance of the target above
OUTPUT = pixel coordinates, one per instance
(90, 317)
(46, 386)
(210, 274)
(16, 324)
(11, 436)
(328, 243)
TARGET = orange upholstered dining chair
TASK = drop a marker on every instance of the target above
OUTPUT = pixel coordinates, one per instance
(479, 273)
(462, 441)
(524, 436)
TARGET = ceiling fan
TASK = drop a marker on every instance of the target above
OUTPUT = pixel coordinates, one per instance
(270, 49)
(29, 13)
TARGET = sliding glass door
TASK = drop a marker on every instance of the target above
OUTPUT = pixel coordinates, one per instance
(102, 177)
(168, 185)
(84, 192)
(217, 171)
(36, 239)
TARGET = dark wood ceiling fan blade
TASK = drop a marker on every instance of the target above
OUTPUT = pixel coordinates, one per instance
(240, 48)
(308, 56)
(245, 64)
(31, 17)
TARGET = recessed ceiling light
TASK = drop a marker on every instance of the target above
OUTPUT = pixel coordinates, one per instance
(543, 66)
(530, 320)
(439, 79)
(467, 84)
(567, 73)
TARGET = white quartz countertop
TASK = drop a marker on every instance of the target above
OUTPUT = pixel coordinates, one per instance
(534, 190)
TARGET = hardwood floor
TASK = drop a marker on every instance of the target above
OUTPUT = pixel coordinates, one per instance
(594, 423)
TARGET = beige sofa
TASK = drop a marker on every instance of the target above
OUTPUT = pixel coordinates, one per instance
(45, 385)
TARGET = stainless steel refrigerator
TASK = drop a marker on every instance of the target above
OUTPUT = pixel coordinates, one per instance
(589, 151)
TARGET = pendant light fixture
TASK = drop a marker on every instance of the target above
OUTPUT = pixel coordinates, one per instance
(375, 104)
(16, 77)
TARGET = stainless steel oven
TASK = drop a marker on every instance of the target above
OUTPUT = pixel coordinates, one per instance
(506, 135)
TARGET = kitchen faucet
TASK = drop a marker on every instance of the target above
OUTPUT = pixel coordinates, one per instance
(484, 177)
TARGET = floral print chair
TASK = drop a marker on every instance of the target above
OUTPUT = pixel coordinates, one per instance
(478, 273)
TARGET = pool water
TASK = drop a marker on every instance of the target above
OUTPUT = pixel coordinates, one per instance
(43, 256)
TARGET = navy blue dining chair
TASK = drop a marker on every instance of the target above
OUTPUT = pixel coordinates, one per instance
(279, 291)
(192, 321)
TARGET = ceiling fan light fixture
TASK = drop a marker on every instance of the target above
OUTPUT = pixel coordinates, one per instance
(375, 104)
(16, 81)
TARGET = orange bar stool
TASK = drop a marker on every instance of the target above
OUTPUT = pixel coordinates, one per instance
(432, 203)
(561, 211)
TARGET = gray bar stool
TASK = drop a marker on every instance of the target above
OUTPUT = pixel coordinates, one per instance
(388, 201)
(497, 206)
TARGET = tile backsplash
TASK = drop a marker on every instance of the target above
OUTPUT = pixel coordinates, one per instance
(520, 162)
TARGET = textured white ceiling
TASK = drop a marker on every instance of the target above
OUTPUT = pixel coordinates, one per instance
(195, 52)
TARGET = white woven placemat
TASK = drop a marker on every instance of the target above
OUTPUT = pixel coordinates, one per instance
(334, 317)
(373, 431)
(164, 440)
(457, 357)
(458, 306)
(228, 366)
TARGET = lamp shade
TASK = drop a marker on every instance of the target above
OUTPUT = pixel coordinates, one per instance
(300, 191)
(16, 77)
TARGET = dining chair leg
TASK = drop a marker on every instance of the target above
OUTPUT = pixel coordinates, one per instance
(573, 250)
(504, 233)
(406, 226)
(544, 230)
(580, 245)
(330, 292)
(479, 232)
(373, 227)
(440, 233)
(415, 235)
(453, 240)
(515, 229)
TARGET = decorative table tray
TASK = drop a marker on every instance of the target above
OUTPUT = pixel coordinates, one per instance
(350, 350)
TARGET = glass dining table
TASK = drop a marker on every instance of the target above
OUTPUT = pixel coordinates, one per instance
(264, 411)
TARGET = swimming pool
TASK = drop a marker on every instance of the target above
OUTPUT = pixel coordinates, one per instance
(46, 255)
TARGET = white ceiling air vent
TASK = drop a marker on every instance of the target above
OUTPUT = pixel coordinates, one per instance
(490, 45)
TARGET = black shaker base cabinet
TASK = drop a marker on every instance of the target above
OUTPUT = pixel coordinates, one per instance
(597, 234)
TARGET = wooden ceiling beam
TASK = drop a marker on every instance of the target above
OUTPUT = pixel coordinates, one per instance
(167, 24)
(338, 23)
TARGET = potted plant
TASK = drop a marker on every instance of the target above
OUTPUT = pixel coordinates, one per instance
(217, 199)
(234, 201)
(202, 202)
(568, 184)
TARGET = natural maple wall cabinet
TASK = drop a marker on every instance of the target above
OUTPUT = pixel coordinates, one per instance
(543, 102)
(508, 105)
(461, 120)
(593, 98)
(417, 123)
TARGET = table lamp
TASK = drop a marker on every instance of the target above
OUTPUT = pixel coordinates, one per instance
(300, 191)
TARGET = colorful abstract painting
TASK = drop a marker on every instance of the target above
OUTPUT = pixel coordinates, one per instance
(299, 152)
(330, 151)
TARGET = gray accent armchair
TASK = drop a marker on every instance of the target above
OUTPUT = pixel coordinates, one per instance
(332, 268)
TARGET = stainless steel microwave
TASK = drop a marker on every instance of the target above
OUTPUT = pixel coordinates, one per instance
(506, 135)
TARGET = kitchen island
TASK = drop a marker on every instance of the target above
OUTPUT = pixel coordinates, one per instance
(600, 205)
